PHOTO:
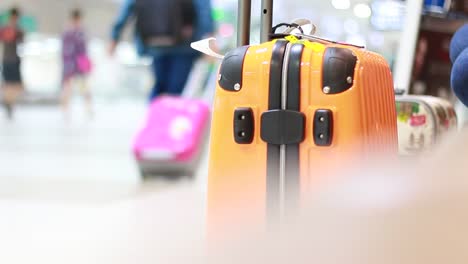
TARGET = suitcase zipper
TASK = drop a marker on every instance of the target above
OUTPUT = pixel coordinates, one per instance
(284, 100)
(273, 201)
(282, 127)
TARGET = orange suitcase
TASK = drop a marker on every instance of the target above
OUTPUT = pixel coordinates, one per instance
(286, 113)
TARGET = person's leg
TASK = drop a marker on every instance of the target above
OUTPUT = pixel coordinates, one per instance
(87, 96)
(160, 73)
(5, 101)
(11, 92)
(180, 67)
(12, 87)
(67, 91)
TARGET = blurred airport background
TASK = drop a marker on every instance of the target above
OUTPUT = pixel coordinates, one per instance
(343, 20)
(84, 163)
(121, 83)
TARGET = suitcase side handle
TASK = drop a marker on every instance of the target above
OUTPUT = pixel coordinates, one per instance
(299, 24)
(290, 26)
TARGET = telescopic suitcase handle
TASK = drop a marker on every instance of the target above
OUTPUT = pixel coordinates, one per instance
(243, 27)
(243, 22)
(244, 17)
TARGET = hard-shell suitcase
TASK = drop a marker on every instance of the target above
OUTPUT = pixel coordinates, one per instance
(422, 122)
(172, 139)
(175, 132)
(286, 113)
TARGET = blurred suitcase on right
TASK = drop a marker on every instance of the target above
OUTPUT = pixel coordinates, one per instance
(422, 122)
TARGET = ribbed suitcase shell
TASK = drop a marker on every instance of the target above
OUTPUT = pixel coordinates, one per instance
(364, 124)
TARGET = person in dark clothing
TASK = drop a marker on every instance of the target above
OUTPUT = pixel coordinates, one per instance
(171, 65)
(11, 35)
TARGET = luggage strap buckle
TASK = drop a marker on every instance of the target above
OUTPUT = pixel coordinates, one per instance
(282, 127)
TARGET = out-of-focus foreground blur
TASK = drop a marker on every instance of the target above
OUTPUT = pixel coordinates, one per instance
(71, 190)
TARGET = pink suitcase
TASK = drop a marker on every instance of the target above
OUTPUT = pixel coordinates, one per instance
(174, 136)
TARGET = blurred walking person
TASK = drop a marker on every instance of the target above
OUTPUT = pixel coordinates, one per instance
(11, 35)
(76, 64)
(164, 30)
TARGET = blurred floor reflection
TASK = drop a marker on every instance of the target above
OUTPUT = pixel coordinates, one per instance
(43, 157)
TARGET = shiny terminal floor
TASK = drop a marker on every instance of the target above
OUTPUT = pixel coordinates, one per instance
(72, 188)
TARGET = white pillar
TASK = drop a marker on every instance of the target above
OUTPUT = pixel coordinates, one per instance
(407, 49)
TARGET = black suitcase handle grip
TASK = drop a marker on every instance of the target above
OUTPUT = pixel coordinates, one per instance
(289, 25)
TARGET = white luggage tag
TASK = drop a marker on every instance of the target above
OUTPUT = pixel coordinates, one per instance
(306, 25)
(204, 47)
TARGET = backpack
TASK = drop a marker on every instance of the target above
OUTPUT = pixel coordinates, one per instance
(164, 23)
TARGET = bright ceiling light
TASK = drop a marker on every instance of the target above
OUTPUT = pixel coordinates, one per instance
(341, 4)
(362, 10)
